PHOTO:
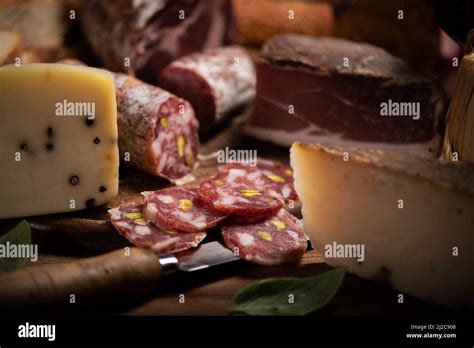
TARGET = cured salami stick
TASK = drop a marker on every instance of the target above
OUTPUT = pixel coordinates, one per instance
(157, 130)
(150, 34)
(215, 81)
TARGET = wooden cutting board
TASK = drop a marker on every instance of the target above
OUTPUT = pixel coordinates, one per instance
(71, 236)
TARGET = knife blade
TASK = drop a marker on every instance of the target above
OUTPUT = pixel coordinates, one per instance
(124, 274)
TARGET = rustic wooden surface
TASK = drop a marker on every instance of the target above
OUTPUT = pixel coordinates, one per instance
(68, 237)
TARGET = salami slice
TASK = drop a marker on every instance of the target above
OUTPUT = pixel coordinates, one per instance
(128, 221)
(279, 180)
(276, 240)
(182, 209)
(215, 81)
(240, 191)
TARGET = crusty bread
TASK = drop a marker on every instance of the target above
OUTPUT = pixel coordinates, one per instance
(257, 21)
(41, 23)
(9, 46)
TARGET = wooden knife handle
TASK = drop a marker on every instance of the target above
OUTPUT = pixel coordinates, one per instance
(90, 281)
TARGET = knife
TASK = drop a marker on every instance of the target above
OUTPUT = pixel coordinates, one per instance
(124, 274)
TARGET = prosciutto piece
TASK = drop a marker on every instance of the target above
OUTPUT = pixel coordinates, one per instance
(337, 92)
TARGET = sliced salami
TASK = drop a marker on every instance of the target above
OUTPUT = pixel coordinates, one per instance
(129, 222)
(182, 209)
(276, 240)
(240, 191)
(279, 180)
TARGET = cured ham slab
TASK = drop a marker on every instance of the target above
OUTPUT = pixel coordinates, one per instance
(334, 91)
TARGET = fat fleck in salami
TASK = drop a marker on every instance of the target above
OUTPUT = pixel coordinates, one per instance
(215, 81)
(276, 240)
(279, 180)
(180, 208)
(128, 221)
(240, 191)
(157, 129)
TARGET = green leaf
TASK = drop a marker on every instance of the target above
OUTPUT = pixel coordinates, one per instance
(21, 234)
(272, 296)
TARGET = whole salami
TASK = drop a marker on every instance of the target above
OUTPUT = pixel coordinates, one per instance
(240, 191)
(276, 240)
(215, 82)
(129, 222)
(141, 37)
(180, 208)
(157, 130)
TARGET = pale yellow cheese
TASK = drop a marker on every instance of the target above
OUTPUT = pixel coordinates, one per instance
(459, 138)
(51, 162)
(412, 215)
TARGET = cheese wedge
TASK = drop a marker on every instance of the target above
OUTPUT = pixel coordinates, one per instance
(459, 138)
(414, 218)
(58, 143)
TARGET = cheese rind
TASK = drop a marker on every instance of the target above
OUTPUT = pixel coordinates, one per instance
(411, 244)
(55, 161)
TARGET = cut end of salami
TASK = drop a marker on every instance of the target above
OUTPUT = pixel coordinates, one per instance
(182, 209)
(215, 81)
(240, 191)
(129, 222)
(157, 130)
(274, 241)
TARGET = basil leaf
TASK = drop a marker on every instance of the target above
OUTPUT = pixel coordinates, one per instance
(20, 234)
(273, 296)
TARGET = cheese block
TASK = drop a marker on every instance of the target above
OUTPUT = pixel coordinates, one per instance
(58, 148)
(459, 137)
(413, 218)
